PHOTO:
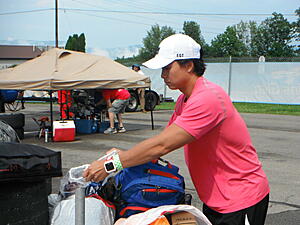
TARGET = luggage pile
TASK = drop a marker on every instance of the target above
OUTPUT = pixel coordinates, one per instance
(155, 189)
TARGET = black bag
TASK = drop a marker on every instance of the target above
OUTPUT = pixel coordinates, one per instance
(25, 161)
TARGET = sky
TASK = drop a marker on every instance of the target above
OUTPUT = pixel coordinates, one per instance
(116, 28)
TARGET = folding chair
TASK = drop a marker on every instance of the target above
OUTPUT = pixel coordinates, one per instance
(42, 123)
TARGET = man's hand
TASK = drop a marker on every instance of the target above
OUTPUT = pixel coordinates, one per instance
(95, 172)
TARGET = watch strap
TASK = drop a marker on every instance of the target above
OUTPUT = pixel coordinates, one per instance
(117, 162)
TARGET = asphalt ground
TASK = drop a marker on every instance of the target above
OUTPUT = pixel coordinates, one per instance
(275, 137)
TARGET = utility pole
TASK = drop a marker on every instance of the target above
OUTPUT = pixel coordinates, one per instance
(56, 46)
(56, 23)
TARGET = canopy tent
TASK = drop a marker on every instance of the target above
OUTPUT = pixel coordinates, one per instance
(60, 69)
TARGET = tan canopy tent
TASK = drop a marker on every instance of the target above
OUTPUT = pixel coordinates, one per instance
(60, 69)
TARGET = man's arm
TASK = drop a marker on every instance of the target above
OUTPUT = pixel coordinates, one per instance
(171, 138)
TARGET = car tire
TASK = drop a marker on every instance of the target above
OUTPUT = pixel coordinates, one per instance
(20, 133)
(150, 100)
(16, 120)
(133, 103)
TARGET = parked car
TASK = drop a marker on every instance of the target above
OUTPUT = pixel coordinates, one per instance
(151, 100)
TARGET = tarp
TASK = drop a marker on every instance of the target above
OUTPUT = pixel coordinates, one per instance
(256, 82)
(60, 69)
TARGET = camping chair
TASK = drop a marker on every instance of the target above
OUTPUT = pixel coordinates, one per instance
(41, 122)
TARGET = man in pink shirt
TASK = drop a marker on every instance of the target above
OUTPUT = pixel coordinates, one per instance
(221, 159)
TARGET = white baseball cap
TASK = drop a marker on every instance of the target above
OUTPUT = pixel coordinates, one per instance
(174, 47)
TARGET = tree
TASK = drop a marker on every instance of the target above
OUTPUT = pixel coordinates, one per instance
(76, 43)
(245, 32)
(296, 26)
(152, 40)
(272, 37)
(192, 29)
(228, 44)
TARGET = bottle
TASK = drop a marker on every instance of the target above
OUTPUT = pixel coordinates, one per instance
(46, 135)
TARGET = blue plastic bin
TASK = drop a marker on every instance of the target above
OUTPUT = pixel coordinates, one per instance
(85, 126)
(9, 95)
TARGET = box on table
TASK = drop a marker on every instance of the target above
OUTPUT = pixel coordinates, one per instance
(64, 130)
(104, 125)
(183, 218)
(86, 126)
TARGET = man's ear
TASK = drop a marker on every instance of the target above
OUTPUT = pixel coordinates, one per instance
(190, 66)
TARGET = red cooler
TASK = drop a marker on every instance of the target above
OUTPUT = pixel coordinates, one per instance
(64, 130)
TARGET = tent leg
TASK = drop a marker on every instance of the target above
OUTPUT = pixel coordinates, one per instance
(51, 116)
(151, 114)
(152, 122)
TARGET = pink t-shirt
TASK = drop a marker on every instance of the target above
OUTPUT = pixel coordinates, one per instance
(121, 94)
(222, 161)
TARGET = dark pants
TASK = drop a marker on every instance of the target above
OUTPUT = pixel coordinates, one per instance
(256, 215)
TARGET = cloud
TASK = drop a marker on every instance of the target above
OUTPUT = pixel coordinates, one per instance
(97, 51)
(114, 53)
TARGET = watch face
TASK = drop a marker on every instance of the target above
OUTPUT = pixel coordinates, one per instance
(109, 166)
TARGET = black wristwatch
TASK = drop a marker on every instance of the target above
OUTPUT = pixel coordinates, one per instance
(109, 166)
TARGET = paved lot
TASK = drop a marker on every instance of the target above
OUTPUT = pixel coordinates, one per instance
(275, 137)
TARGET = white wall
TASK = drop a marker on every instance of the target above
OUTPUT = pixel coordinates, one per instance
(269, 82)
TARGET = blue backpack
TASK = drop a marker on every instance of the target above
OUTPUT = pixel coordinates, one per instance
(147, 186)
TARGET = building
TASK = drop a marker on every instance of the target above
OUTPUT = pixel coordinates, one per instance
(11, 55)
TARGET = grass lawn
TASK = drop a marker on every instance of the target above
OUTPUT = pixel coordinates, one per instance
(250, 108)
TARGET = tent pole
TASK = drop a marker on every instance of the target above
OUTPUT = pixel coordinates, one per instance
(152, 123)
(51, 116)
(151, 114)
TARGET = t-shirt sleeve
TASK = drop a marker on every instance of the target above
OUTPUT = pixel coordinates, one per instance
(200, 115)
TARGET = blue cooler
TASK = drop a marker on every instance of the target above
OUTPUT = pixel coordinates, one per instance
(104, 125)
(86, 126)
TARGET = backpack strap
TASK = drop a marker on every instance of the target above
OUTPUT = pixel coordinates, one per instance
(137, 208)
(155, 161)
(106, 202)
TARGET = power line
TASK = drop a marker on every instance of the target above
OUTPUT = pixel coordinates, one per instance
(110, 18)
(148, 12)
(26, 11)
(176, 13)
(139, 16)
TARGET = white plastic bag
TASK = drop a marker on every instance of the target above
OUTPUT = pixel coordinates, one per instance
(152, 214)
(96, 212)
(73, 180)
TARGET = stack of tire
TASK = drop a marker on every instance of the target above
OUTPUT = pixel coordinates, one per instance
(16, 121)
